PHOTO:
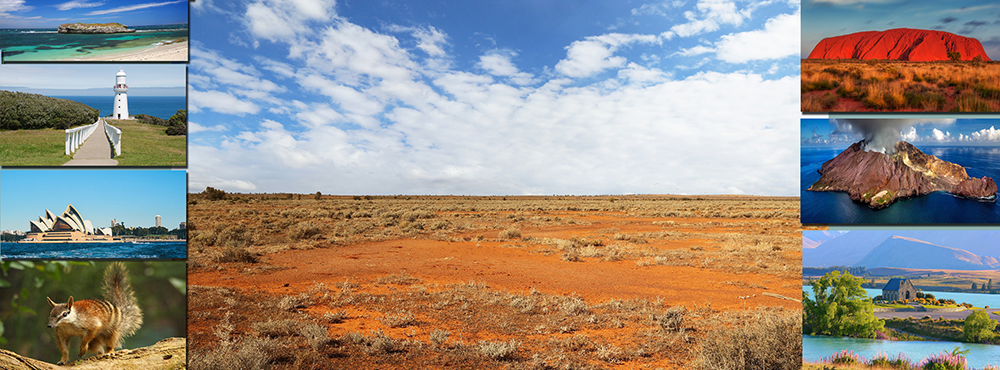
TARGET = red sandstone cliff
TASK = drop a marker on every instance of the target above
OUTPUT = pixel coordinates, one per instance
(898, 44)
(877, 179)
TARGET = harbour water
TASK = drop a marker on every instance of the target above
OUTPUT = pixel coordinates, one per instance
(46, 44)
(119, 250)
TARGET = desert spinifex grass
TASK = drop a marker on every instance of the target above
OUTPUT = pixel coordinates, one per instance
(852, 85)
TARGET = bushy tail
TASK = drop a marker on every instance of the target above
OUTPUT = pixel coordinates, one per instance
(118, 291)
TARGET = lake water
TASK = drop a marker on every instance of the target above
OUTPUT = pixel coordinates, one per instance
(156, 106)
(46, 44)
(121, 250)
(819, 207)
(815, 348)
(977, 300)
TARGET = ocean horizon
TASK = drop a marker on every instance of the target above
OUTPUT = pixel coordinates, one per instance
(156, 106)
(46, 44)
(836, 207)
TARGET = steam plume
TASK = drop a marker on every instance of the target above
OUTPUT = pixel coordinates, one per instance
(881, 135)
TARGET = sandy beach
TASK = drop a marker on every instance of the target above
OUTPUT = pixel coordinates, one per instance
(172, 52)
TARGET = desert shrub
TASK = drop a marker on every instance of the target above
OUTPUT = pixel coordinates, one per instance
(672, 319)
(381, 343)
(438, 337)
(611, 353)
(573, 306)
(764, 340)
(812, 103)
(988, 91)
(303, 230)
(214, 194)
(315, 335)
(510, 234)
(335, 317)
(499, 350)
(276, 328)
(248, 353)
(294, 302)
(400, 319)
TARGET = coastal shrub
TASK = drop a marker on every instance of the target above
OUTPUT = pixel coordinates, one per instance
(150, 120)
(978, 327)
(22, 111)
(177, 123)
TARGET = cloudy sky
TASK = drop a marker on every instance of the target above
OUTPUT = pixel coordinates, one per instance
(52, 13)
(840, 134)
(499, 97)
(979, 19)
(134, 197)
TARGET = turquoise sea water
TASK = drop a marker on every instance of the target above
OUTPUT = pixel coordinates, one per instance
(156, 106)
(45, 44)
(121, 250)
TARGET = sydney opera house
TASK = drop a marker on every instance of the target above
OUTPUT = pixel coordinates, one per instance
(69, 227)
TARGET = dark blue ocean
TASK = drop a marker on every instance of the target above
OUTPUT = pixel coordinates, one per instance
(935, 208)
(156, 106)
(45, 44)
(121, 250)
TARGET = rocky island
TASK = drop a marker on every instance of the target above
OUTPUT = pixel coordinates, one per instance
(93, 28)
(878, 179)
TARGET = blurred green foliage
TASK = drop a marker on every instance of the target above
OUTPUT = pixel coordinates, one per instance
(160, 288)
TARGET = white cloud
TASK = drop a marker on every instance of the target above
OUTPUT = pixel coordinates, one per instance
(710, 15)
(986, 135)
(277, 20)
(695, 50)
(76, 4)
(8, 6)
(431, 40)
(596, 53)
(130, 8)
(194, 127)
(778, 39)
(853, 2)
(220, 102)
(498, 63)
(939, 135)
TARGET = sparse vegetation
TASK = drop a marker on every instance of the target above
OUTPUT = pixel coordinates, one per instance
(412, 317)
(853, 85)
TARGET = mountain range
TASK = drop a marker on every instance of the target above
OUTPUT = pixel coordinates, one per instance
(924, 249)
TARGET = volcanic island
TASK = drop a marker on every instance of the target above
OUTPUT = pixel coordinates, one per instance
(877, 179)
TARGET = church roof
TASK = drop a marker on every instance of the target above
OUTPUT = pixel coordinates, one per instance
(893, 284)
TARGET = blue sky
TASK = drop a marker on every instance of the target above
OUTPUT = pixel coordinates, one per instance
(88, 76)
(499, 97)
(839, 133)
(134, 197)
(978, 19)
(52, 13)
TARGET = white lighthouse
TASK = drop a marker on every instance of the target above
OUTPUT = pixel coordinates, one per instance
(121, 99)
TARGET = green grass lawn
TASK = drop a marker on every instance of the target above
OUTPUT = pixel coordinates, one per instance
(887, 305)
(43, 147)
(149, 145)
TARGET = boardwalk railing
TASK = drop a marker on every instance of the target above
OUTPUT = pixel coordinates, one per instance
(115, 136)
(76, 136)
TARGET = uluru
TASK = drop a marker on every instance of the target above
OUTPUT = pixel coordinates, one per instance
(899, 44)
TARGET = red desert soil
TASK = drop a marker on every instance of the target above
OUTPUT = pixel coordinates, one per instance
(703, 263)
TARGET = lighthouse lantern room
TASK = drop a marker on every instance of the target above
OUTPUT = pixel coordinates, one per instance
(121, 99)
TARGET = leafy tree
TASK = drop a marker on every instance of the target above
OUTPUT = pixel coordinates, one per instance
(177, 123)
(973, 286)
(214, 194)
(989, 285)
(978, 327)
(319, 195)
(840, 307)
(954, 56)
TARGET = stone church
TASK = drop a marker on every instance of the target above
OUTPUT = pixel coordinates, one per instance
(898, 289)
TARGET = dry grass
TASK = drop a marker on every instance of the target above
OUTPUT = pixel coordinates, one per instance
(400, 321)
(900, 86)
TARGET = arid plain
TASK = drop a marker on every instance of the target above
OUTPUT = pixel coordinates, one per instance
(541, 282)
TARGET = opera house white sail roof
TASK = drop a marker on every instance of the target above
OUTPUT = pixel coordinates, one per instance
(70, 220)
